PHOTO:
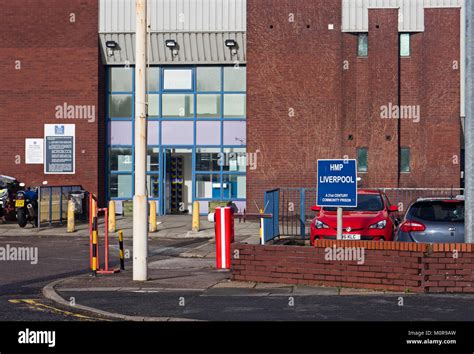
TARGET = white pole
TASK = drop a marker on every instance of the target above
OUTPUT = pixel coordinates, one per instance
(469, 122)
(339, 223)
(140, 215)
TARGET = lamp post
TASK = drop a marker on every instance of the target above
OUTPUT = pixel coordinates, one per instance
(140, 215)
(469, 120)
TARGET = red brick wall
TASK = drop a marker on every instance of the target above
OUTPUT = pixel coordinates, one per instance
(293, 66)
(59, 63)
(387, 266)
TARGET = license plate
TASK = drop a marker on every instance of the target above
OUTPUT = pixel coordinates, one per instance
(20, 203)
(350, 237)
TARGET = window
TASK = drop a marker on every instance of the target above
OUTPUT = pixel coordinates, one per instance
(234, 78)
(198, 107)
(365, 202)
(208, 133)
(234, 106)
(208, 159)
(175, 79)
(208, 106)
(363, 45)
(235, 133)
(405, 44)
(208, 79)
(152, 160)
(120, 133)
(153, 186)
(177, 133)
(120, 159)
(120, 186)
(439, 210)
(176, 105)
(153, 105)
(208, 186)
(120, 79)
(405, 160)
(153, 79)
(153, 137)
(362, 160)
(120, 106)
(235, 159)
(234, 186)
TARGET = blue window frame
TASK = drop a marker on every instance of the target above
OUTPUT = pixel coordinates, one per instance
(203, 102)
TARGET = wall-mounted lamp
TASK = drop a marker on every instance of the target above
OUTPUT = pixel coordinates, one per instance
(111, 44)
(232, 45)
(111, 47)
(172, 45)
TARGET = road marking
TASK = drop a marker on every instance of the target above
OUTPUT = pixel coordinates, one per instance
(41, 307)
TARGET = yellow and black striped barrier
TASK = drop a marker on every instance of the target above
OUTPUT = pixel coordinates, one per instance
(94, 245)
(122, 259)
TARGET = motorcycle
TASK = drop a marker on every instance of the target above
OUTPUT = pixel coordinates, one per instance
(9, 186)
(26, 204)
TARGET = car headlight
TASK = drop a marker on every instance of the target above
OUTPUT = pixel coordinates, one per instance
(320, 225)
(379, 225)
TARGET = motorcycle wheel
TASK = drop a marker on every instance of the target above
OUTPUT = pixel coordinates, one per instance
(21, 217)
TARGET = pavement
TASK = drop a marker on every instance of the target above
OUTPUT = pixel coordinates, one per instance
(169, 226)
(191, 289)
(184, 285)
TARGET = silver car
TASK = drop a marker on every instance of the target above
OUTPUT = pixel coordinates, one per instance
(433, 220)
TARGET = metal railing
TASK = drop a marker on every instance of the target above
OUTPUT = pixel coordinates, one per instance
(295, 213)
(52, 204)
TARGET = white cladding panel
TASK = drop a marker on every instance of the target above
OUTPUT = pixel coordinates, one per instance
(175, 15)
(355, 13)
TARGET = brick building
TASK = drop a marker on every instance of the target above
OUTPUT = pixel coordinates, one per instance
(325, 78)
(299, 80)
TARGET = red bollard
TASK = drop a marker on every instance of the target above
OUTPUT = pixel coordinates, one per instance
(224, 224)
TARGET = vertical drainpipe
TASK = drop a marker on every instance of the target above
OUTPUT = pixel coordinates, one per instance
(469, 124)
(399, 103)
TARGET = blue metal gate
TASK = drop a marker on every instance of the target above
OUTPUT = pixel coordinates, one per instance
(271, 227)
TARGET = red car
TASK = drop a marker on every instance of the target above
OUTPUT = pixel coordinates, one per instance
(373, 219)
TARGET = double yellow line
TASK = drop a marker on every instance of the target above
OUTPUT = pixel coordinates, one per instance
(41, 307)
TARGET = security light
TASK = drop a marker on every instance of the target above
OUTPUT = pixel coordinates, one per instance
(171, 44)
(111, 44)
(230, 43)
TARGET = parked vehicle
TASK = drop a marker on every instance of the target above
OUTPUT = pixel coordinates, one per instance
(8, 189)
(374, 219)
(27, 206)
(433, 220)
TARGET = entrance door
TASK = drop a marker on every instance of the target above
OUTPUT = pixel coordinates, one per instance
(177, 179)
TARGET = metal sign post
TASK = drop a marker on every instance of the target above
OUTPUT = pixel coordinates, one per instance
(337, 187)
(339, 223)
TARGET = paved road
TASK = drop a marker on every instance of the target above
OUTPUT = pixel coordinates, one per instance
(229, 305)
(58, 257)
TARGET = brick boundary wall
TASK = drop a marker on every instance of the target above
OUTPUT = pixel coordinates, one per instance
(390, 266)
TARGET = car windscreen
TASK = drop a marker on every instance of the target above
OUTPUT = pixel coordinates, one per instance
(450, 211)
(365, 202)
